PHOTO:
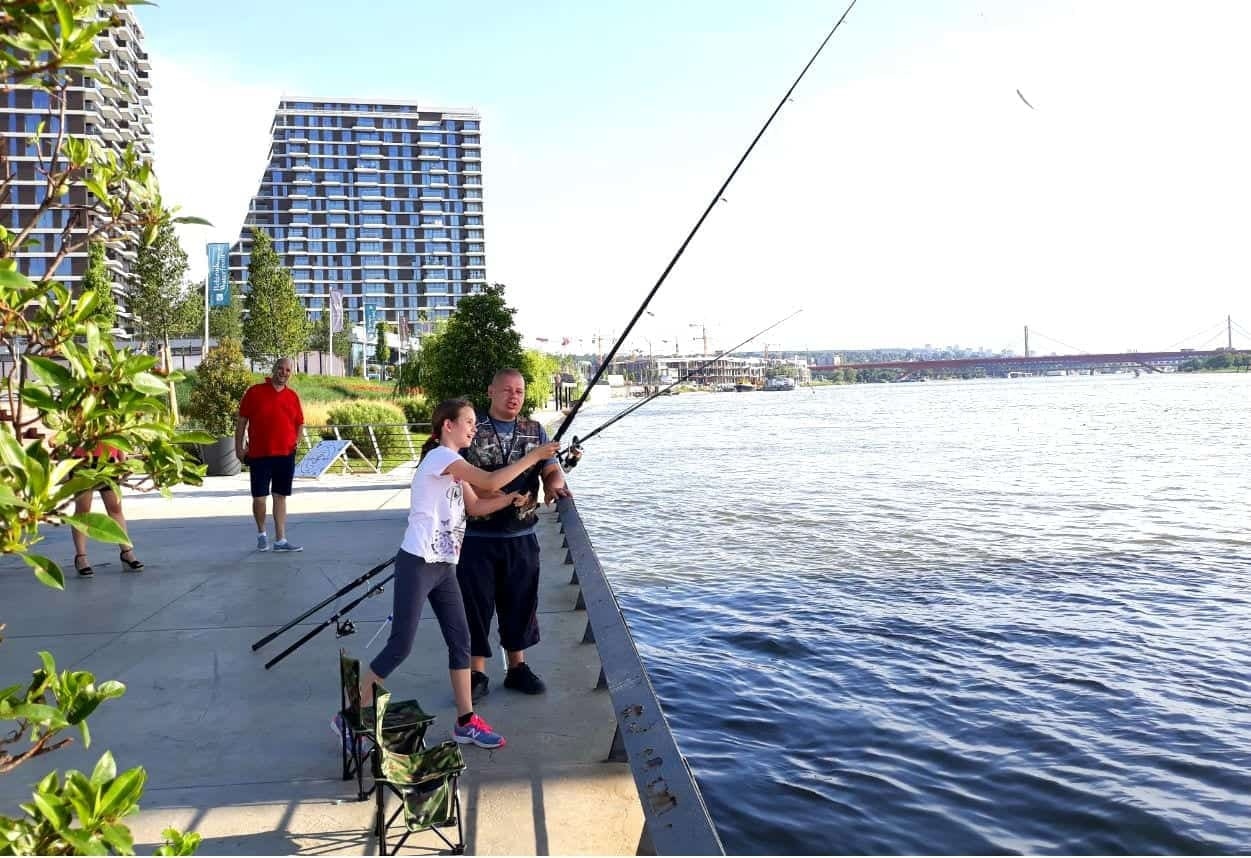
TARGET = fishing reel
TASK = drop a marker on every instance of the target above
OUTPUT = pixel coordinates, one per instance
(344, 627)
(570, 456)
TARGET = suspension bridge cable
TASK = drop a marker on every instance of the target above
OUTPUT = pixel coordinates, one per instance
(1037, 333)
(1205, 330)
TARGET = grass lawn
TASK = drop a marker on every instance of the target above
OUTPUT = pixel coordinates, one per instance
(318, 393)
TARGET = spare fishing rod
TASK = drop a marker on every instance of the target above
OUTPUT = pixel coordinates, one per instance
(341, 629)
(570, 455)
(607, 361)
(343, 591)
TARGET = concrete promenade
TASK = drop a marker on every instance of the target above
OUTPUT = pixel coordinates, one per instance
(245, 756)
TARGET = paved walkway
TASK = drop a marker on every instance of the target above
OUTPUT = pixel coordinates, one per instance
(245, 756)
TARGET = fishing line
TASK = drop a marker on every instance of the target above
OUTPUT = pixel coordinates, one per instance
(716, 198)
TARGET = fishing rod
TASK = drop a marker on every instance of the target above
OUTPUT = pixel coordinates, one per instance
(717, 197)
(571, 454)
(341, 629)
(343, 591)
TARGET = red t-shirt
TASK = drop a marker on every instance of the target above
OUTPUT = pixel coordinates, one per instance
(273, 417)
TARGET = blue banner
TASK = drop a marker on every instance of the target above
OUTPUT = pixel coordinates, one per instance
(219, 274)
(371, 319)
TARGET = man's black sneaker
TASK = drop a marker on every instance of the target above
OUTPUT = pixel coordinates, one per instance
(522, 678)
(479, 685)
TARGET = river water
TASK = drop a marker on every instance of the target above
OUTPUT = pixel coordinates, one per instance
(953, 617)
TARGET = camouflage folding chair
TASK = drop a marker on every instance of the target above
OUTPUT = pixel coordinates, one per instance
(424, 779)
(404, 717)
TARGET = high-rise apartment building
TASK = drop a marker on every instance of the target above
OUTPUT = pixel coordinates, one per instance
(114, 112)
(381, 199)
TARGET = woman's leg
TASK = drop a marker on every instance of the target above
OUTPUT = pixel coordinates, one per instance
(113, 506)
(82, 504)
(411, 585)
(449, 607)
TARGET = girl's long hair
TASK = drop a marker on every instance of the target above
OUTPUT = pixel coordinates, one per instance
(448, 409)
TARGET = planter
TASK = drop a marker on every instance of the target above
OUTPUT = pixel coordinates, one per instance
(220, 457)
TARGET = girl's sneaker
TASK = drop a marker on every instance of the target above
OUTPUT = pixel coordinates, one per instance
(478, 732)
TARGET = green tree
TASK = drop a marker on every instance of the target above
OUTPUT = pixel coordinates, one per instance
(319, 337)
(479, 339)
(538, 368)
(382, 351)
(226, 323)
(71, 390)
(159, 295)
(98, 279)
(274, 324)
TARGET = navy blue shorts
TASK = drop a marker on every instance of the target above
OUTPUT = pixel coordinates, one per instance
(278, 471)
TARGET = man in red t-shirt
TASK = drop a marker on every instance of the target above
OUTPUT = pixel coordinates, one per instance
(270, 417)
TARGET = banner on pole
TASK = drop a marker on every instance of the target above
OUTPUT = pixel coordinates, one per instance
(219, 274)
(336, 310)
(371, 318)
(403, 330)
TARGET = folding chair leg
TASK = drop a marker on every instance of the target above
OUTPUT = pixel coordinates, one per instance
(382, 820)
(361, 795)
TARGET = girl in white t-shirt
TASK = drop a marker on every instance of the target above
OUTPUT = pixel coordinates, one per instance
(425, 567)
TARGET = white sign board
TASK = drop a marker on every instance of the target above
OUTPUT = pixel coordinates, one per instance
(317, 460)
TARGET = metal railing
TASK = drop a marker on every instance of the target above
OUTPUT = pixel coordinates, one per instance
(384, 445)
(676, 821)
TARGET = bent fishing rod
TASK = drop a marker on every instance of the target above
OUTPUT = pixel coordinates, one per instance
(717, 197)
(343, 591)
(570, 455)
(342, 629)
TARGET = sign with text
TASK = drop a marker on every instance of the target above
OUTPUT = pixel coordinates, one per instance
(219, 274)
(371, 319)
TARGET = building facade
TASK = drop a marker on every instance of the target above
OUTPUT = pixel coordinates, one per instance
(114, 112)
(380, 199)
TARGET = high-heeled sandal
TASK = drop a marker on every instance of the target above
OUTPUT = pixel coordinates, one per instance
(133, 564)
(84, 571)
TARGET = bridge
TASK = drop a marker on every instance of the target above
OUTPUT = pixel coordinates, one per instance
(1151, 361)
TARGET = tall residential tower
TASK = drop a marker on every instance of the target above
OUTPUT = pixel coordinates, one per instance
(381, 199)
(114, 111)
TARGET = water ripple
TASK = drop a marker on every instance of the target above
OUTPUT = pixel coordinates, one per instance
(977, 618)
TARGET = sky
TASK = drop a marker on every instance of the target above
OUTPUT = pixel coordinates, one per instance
(907, 194)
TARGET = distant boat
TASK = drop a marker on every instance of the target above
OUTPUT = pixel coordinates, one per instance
(779, 382)
(743, 387)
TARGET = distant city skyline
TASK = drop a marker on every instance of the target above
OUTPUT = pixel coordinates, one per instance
(909, 194)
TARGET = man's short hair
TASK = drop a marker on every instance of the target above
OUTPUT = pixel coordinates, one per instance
(505, 373)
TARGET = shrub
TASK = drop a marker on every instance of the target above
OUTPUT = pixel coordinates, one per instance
(220, 383)
(354, 418)
(416, 411)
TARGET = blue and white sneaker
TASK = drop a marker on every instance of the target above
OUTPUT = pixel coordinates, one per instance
(262, 542)
(478, 732)
(283, 545)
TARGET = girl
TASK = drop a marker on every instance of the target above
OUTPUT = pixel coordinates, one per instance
(112, 505)
(425, 567)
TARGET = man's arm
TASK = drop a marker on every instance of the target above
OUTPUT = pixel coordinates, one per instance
(241, 429)
(554, 485)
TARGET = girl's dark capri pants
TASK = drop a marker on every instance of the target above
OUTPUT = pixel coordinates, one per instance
(415, 581)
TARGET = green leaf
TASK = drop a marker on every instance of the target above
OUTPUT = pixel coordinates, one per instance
(53, 809)
(199, 221)
(47, 572)
(146, 382)
(123, 793)
(119, 837)
(54, 374)
(98, 526)
(105, 770)
(38, 712)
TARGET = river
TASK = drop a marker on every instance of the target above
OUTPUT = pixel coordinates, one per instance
(955, 617)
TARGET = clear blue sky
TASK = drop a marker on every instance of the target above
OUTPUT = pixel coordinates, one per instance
(907, 196)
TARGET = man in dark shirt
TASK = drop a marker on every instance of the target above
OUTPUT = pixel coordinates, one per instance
(499, 560)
